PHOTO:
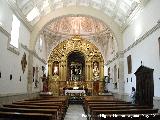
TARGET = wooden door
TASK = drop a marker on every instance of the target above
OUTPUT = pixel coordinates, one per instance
(144, 86)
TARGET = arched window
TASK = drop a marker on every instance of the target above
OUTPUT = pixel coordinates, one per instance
(40, 43)
(15, 32)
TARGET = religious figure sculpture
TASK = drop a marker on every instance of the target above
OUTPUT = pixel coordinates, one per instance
(95, 71)
(45, 83)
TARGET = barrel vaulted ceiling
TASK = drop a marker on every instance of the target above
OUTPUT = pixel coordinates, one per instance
(64, 27)
(119, 10)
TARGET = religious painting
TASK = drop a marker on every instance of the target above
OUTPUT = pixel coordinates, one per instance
(33, 72)
(109, 72)
(118, 73)
(115, 74)
(10, 76)
(24, 62)
(36, 77)
(129, 62)
(55, 68)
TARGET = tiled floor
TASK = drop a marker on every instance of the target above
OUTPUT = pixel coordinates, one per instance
(75, 112)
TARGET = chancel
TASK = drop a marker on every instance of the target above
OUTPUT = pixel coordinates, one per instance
(79, 59)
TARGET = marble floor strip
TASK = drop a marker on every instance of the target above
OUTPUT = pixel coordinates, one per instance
(75, 112)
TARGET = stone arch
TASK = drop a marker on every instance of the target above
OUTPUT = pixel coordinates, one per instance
(76, 11)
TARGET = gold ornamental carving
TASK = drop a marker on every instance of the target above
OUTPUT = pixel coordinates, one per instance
(91, 54)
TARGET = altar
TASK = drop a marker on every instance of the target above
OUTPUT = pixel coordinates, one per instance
(74, 91)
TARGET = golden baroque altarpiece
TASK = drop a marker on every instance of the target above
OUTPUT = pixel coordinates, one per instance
(58, 67)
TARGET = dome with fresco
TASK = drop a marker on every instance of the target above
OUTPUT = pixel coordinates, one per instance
(81, 25)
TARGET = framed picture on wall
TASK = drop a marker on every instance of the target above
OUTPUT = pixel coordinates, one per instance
(129, 62)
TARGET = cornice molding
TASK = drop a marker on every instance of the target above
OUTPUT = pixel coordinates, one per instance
(143, 37)
(138, 41)
(33, 53)
(5, 32)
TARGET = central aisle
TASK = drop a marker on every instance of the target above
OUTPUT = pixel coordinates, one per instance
(75, 112)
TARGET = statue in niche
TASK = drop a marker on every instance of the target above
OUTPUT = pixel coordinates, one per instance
(24, 62)
(96, 78)
(75, 71)
(45, 83)
(95, 71)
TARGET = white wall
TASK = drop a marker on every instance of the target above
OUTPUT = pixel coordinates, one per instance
(37, 63)
(10, 63)
(148, 50)
(144, 21)
(110, 86)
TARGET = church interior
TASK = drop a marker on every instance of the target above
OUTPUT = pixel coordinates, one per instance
(79, 59)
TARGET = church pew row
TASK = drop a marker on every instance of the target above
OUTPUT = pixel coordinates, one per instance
(102, 99)
(47, 98)
(58, 108)
(63, 107)
(24, 116)
(117, 108)
(95, 106)
(108, 97)
(62, 112)
(113, 106)
(63, 100)
(99, 103)
(55, 106)
(24, 110)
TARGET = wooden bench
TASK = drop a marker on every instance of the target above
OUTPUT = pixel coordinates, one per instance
(87, 108)
(63, 108)
(25, 116)
(25, 110)
(59, 110)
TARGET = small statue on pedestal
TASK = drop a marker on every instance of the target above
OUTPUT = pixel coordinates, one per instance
(45, 83)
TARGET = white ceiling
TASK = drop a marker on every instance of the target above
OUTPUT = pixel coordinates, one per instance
(119, 10)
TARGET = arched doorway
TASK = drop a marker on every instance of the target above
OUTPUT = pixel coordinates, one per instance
(76, 66)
